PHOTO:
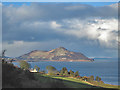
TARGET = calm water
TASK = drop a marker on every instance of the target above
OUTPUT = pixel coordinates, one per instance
(106, 69)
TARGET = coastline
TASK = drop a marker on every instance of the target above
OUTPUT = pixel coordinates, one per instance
(57, 60)
(66, 63)
(69, 60)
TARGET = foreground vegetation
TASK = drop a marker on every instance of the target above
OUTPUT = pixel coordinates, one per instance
(19, 78)
(94, 83)
(15, 77)
(72, 76)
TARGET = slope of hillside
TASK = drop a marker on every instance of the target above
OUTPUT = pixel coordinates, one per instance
(19, 78)
(13, 77)
(58, 54)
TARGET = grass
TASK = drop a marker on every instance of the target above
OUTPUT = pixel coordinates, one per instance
(109, 86)
(69, 82)
(77, 83)
(13, 77)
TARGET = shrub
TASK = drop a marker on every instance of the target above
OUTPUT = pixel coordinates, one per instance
(91, 78)
(37, 68)
(24, 65)
(101, 82)
(98, 78)
(76, 74)
(66, 73)
(63, 70)
(71, 73)
(51, 69)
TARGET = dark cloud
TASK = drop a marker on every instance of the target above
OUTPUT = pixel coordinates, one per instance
(65, 22)
(56, 11)
(14, 17)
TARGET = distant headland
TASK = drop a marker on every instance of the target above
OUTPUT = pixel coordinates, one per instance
(58, 54)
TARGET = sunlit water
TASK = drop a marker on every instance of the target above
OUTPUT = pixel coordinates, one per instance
(106, 69)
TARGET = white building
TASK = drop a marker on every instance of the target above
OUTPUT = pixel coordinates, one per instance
(33, 70)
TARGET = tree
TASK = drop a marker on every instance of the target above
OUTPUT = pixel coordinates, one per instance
(71, 73)
(61, 72)
(98, 78)
(66, 73)
(91, 78)
(24, 65)
(101, 82)
(37, 68)
(3, 55)
(51, 69)
(76, 73)
(64, 69)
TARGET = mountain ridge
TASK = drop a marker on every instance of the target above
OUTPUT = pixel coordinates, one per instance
(58, 54)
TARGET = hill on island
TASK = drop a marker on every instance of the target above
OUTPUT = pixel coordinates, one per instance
(58, 54)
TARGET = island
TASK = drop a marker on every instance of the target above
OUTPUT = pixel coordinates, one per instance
(58, 54)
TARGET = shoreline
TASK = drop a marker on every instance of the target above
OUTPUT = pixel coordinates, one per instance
(58, 63)
(57, 60)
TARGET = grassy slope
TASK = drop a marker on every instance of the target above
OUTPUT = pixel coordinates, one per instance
(73, 82)
(69, 82)
(13, 77)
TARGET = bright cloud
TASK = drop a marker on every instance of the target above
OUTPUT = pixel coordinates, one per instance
(39, 25)
(104, 30)
(55, 25)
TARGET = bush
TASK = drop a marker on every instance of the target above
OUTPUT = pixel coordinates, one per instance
(51, 69)
(64, 69)
(24, 65)
(71, 73)
(98, 79)
(91, 78)
(37, 68)
(76, 74)
(66, 73)
(101, 82)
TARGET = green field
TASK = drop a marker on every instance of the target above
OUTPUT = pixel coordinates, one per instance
(75, 83)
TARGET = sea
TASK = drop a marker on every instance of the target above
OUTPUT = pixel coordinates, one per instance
(107, 69)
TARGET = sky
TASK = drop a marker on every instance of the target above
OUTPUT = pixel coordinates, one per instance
(87, 3)
(89, 28)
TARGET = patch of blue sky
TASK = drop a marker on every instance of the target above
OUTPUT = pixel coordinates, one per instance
(98, 3)
(60, 0)
(88, 3)
(15, 3)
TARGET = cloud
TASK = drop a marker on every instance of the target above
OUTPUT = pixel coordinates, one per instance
(55, 11)
(78, 7)
(49, 25)
(21, 47)
(103, 30)
(18, 48)
(54, 25)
